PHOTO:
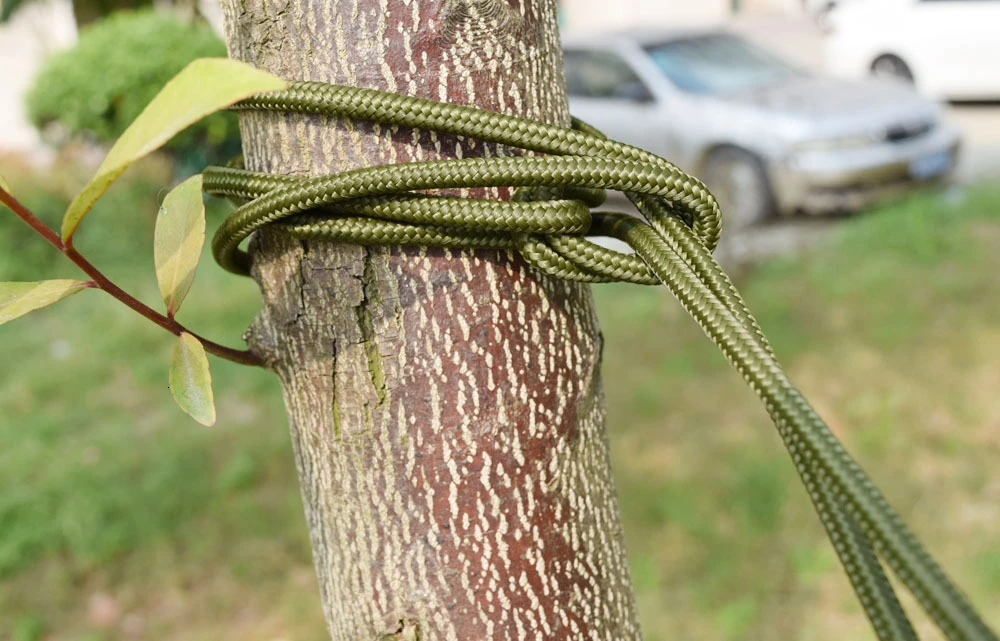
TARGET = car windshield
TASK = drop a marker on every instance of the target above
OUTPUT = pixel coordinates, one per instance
(718, 64)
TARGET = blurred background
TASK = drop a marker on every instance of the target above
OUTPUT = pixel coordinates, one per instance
(855, 147)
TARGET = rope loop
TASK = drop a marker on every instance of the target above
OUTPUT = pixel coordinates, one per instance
(580, 164)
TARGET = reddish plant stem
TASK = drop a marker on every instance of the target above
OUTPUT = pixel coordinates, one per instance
(102, 282)
(32, 221)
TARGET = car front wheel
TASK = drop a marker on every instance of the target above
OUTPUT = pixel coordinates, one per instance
(892, 68)
(739, 182)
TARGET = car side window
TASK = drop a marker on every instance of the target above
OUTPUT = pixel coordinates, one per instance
(602, 74)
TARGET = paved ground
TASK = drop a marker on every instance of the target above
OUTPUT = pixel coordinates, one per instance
(980, 125)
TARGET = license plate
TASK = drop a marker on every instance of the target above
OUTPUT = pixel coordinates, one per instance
(930, 165)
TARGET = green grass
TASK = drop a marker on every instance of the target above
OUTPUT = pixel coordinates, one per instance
(110, 490)
(120, 518)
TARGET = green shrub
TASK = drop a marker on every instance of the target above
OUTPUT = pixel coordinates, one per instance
(102, 83)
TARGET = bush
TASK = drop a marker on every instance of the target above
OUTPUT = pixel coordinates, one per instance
(102, 83)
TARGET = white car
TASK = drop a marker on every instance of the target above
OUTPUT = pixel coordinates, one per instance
(947, 48)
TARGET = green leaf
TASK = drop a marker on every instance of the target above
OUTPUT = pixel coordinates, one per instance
(177, 242)
(17, 299)
(204, 86)
(190, 380)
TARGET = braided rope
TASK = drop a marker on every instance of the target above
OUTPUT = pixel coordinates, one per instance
(546, 222)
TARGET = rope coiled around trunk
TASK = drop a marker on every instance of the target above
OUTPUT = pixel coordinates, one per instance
(547, 221)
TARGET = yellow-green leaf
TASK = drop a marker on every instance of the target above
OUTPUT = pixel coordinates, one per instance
(190, 380)
(177, 242)
(204, 86)
(17, 299)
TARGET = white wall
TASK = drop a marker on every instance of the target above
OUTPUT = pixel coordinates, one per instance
(36, 29)
(588, 16)
(583, 16)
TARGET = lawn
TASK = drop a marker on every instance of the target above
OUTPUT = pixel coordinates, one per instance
(122, 519)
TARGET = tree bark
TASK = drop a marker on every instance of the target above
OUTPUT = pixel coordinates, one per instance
(446, 407)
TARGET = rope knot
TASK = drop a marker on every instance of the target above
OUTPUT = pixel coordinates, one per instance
(545, 221)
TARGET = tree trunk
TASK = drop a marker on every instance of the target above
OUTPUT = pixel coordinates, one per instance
(446, 407)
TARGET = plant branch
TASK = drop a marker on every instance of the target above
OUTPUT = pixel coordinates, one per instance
(31, 220)
(102, 282)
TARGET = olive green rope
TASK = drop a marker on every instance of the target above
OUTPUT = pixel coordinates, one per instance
(546, 222)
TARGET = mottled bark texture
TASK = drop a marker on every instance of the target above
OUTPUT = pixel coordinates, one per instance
(446, 407)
